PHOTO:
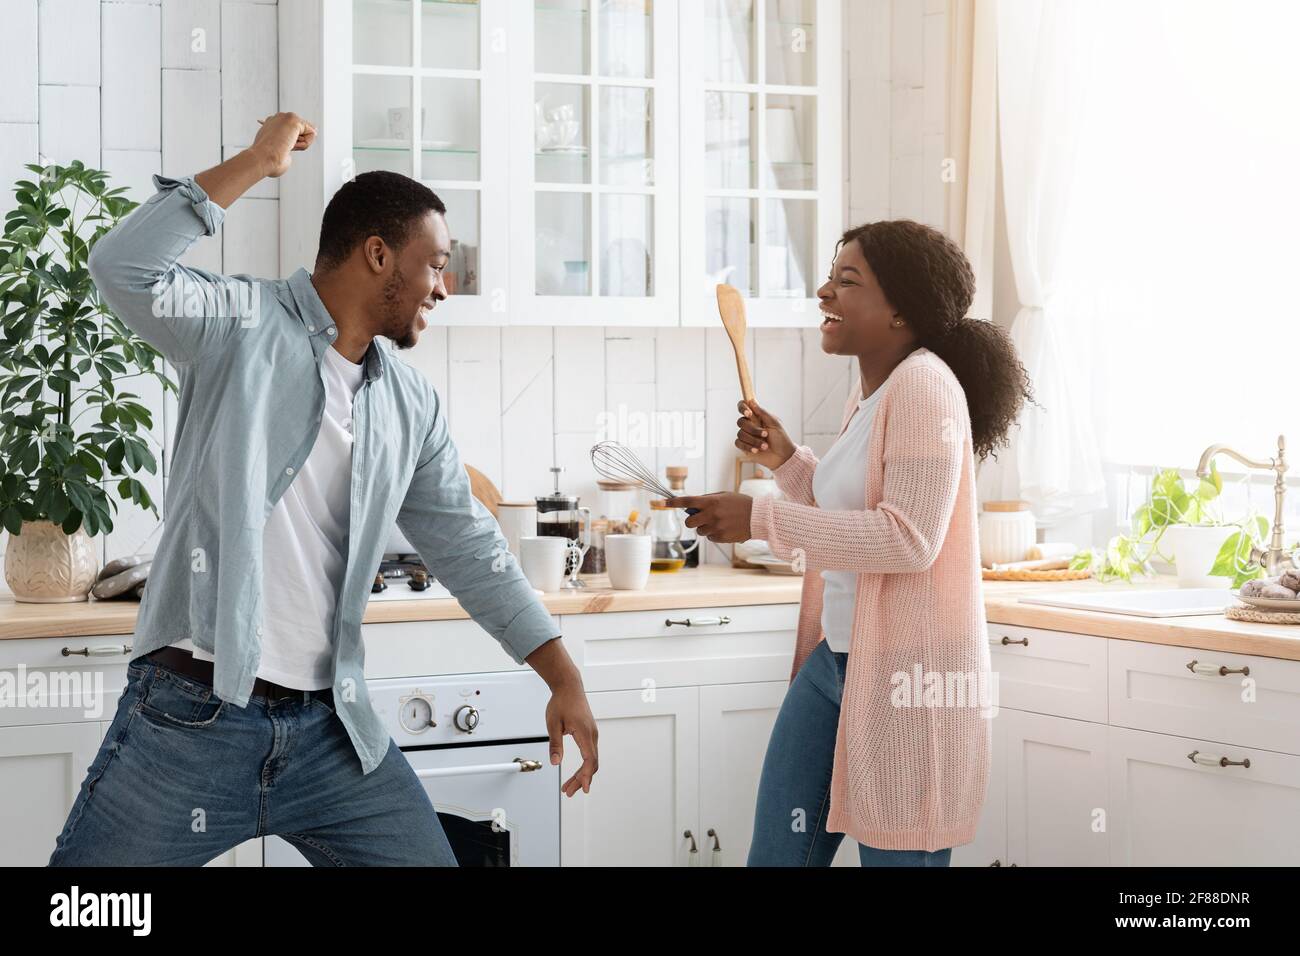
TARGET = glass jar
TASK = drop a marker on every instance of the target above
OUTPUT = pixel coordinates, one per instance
(667, 553)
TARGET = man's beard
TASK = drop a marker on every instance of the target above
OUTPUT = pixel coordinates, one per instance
(395, 325)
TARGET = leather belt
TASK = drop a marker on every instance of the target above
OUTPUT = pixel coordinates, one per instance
(185, 663)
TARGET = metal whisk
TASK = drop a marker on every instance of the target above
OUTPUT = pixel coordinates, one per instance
(616, 462)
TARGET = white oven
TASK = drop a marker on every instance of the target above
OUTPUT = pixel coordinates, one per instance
(478, 743)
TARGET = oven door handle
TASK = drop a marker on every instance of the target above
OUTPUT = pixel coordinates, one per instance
(518, 765)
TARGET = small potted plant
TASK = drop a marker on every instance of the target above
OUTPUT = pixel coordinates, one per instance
(1206, 551)
(69, 425)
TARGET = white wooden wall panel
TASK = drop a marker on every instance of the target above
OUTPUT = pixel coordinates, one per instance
(19, 145)
(249, 76)
(191, 34)
(132, 79)
(249, 243)
(191, 134)
(132, 168)
(69, 42)
(70, 124)
(19, 73)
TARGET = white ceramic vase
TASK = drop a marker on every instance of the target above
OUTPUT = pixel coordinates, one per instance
(45, 566)
(1194, 548)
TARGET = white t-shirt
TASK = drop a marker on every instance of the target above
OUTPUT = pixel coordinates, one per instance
(840, 484)
(305, 546)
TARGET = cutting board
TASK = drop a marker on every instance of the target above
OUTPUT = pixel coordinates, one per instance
(481, 487)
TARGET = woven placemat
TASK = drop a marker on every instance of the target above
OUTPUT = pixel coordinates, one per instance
(1063, 574)
(1245, 612)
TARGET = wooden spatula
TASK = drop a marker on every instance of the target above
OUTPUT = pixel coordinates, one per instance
(731, 306)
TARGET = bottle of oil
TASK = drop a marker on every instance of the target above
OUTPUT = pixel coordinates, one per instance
(690, 542)
(666, 551)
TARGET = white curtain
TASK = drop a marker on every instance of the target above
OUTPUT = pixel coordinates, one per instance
(1054, 460)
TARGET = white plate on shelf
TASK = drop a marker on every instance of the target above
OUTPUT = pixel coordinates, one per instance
(1269, 604)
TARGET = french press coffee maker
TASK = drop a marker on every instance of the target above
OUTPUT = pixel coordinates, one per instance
(559, 515)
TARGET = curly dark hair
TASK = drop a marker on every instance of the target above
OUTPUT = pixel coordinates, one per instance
(378, 203)
(928, 280)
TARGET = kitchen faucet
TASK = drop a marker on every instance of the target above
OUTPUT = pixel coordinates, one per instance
(1275, 560)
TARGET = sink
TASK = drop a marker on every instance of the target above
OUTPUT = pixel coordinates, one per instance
(1175, 602)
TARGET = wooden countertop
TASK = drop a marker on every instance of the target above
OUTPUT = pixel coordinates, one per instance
(717, 586)
(1211, 632)
(709, 586)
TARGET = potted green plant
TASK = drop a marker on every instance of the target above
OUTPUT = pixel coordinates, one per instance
(1206, 550)
(69, 429)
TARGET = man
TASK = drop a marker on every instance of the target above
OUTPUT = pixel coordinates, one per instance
(299, 441)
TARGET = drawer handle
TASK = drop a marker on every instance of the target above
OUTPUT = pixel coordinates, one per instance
(99, 650)
(1205, 760)
(1196, 667)
(699, 622)
(1011, 640)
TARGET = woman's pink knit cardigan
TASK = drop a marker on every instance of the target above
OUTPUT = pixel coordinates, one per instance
(905, 777)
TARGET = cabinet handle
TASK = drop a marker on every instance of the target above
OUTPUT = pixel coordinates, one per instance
(1205, 760)
(1010, 640)
(1210, 670)
(717, 848)
(99, 650)
(693, 856)
(699, 622)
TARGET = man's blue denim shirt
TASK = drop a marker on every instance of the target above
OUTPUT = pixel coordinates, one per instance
(247, 354)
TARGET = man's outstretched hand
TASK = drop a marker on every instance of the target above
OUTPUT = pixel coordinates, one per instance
(567, 712)
(278, 139)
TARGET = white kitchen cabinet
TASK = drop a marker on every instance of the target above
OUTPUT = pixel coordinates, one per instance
(63, 679)
(1056, 796)
(1230, 698)
(594, 163)
(1168, 809)
(415, 88)
(989, 848)
(646, 794)
(735, 724)
(762, 141)
(1049, 672)
(41, 769)
(587, 155)
(697, 646)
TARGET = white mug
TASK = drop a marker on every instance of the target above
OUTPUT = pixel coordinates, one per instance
(543, 559)
(516, 521)
(627, 559)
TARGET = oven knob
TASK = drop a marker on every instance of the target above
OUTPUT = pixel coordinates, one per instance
(416, 713)
(465, 718)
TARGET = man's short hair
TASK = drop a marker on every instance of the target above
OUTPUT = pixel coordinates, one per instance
(379, 203)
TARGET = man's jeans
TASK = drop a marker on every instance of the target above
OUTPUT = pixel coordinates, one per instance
(183, 776)
(797, 775)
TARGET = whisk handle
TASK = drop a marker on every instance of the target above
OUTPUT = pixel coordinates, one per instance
(692, 511)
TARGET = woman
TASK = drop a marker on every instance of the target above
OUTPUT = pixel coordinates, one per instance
(884, 733)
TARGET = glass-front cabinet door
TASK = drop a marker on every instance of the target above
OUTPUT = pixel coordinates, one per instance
(761, 155)
(428, 82)
(594, 177)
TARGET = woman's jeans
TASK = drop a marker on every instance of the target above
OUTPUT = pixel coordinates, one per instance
(183, 776)
(797, 777)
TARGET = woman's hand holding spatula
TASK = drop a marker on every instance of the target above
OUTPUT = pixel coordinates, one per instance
(762, 437)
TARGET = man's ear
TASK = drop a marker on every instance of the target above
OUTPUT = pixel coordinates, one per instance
(376, 253)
